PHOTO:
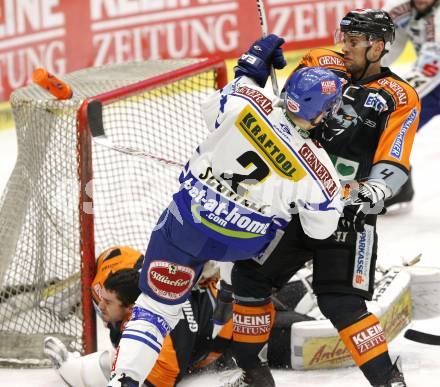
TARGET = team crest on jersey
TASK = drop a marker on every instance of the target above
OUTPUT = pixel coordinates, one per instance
(169, 281)
(328, 87)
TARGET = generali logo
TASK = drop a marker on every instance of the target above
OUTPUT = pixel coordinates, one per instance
(169, 280)
(259, 98)
(328, 60)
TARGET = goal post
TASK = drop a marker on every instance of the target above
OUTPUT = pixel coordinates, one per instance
(70, 197)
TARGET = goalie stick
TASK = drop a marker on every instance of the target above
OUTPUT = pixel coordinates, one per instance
(96, 125)
(422, 337)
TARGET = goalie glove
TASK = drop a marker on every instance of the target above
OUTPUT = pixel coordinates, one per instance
(56, 351)
(256, 62)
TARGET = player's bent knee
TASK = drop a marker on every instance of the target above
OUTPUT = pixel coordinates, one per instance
(165, 315)
(341, 309)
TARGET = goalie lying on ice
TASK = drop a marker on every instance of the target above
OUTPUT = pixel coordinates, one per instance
(190, 348)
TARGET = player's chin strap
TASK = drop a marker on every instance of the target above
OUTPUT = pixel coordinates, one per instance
(368, 61)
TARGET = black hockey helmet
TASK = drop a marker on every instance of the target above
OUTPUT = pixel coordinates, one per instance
(374, 23)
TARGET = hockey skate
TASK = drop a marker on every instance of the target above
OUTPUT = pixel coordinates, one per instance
(396, 378)
(400, 203)
(256, 377)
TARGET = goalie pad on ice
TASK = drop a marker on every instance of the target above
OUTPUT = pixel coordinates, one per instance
(316, 344)
(425, 74)
(79, 371)
(425, 291)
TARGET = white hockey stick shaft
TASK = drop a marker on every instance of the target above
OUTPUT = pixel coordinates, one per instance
(96, 125)
(264, 30)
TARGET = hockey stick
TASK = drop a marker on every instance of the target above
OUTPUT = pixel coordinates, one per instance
(96, 125)
(264, 30)
(422, 337)
(47, 289)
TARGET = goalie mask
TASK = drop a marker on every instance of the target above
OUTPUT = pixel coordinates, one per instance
(113, 260)
(311, 91)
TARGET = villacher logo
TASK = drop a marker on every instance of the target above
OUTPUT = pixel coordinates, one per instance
(169, 280)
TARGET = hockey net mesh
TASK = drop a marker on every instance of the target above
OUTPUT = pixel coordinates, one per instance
(40, 251)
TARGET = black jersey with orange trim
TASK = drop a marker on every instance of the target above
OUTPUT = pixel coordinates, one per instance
(376, 123)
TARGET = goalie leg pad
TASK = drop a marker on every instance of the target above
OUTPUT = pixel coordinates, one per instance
(143, 336)
(87, 371)
(252, 324)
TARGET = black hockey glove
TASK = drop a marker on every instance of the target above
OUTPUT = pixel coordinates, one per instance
(223, 308)
(256, 62)
(352, 219)
(361, 198)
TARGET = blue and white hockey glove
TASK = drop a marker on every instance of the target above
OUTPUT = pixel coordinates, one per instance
(256, 62)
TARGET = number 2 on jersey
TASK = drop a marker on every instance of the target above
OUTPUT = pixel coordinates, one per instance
(256, 176)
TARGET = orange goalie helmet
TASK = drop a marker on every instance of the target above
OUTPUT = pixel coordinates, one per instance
(112, 260)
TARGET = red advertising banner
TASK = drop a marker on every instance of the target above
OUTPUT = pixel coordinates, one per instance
(66, 35)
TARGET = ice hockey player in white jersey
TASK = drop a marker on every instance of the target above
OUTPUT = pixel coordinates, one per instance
(417, 21)
(244, 182)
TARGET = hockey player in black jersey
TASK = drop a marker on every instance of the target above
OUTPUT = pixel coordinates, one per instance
(369, 141)
(190, 346)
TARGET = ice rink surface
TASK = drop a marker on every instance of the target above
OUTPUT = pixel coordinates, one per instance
(400, 236)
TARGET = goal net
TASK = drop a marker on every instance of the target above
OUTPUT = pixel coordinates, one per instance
(69, 197)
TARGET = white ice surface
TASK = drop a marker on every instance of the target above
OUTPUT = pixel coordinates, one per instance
(401, 236)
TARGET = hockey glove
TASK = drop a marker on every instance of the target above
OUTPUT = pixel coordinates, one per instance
(352, 219)
(223, 309)
(56, 351)
(121, 380)
(256, 62)
(369, 194)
